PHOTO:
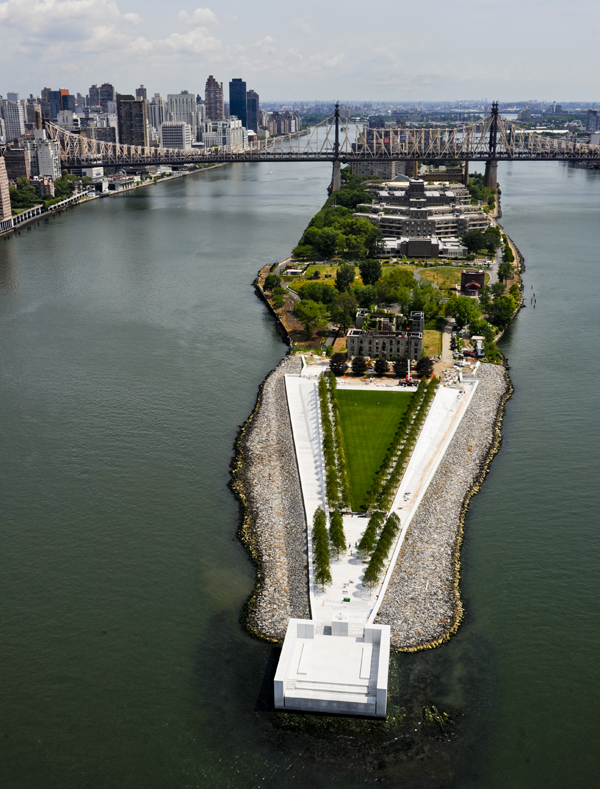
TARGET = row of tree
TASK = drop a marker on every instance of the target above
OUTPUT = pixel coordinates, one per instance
(338, 366)
(368, 541)
(320, 545)
(336, 473)
(382, 549)
(337, 538)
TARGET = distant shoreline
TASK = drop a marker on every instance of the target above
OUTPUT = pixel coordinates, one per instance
(149, 182)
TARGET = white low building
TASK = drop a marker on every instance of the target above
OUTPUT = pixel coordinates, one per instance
(333, 672)
(176, 134)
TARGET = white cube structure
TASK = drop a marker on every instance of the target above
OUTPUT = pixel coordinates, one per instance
(335, 673)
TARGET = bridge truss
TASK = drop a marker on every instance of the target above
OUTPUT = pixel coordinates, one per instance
(336, 140)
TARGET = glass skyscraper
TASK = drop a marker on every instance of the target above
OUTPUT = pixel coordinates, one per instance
(237, 100)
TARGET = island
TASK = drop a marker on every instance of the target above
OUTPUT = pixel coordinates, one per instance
(355, 469)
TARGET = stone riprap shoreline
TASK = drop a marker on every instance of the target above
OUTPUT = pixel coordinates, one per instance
(422, 602)
(273, 527)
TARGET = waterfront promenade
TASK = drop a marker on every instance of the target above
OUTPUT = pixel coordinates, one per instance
(346, 595)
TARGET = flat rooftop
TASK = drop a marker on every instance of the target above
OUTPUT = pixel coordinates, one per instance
(333, 671)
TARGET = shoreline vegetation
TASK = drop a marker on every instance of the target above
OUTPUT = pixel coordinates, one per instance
(422, 603)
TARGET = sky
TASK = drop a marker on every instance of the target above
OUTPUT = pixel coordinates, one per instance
(382, 50)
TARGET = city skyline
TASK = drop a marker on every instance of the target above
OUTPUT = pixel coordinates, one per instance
(473, 48)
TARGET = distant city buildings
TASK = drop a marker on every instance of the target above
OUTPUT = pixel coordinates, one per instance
(213, 99)
(140, 93)
(252, 111)
(176, 134)
(5, 209)
(591, 121)
(183, 107)
(158, 111)
(283, 122)
(132, 117)
(13, 115)
(17, 164)
(44, 156)
(228, 134)
(107, 97)
(237, 100)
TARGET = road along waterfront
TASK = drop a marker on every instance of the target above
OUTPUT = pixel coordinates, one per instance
(132, 348)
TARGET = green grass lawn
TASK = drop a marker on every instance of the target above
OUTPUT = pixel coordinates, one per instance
(432, 342)
(369, 421)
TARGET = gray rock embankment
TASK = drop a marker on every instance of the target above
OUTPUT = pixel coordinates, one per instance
(266, 482)
(422, 602)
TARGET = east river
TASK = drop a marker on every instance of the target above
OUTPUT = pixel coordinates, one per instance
(132, 347)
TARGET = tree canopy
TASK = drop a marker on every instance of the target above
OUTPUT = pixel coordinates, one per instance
(338, 364)
(343, 310)
(359, 365)
(370, 271)
(463, 309)
(322, 292)
(344, 277)
(311, 315)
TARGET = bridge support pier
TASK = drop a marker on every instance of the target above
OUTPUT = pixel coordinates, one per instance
(490, 179)
(466, 173)
(336, 181)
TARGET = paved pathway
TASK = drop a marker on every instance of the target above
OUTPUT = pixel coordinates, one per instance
(346, 594)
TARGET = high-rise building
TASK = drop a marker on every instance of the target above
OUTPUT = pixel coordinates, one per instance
(107, 93)
(2, 128)
(158, 111)
(17, 163)
(94, 96)
(176, 134)
(14, 119)
(592, 121)
(237, 100)
(140, 93)
(5, 209)
(12, 96)
(133, 120)
(182, 107)
(228, 135)
(253, 110)
(100, 133)
(60, 100)
(213, 99)
(44, 156)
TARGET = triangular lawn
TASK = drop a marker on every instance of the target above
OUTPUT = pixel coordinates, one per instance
(369, 420)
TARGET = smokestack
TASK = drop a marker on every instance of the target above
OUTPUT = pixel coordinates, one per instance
(38, 118)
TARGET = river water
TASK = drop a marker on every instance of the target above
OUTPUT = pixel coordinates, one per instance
(132, 348)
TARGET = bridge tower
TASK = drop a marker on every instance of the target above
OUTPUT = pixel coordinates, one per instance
(336, 180)
(490, 179)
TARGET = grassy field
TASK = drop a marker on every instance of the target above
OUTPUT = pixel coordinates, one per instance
(445, 276)
(369, 421)
(432, 342)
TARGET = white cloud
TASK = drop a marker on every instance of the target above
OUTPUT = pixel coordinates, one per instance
(201, 16)
(303, 25)
(266, 45)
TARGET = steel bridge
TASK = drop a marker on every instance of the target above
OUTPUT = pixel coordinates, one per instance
(336, 140)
